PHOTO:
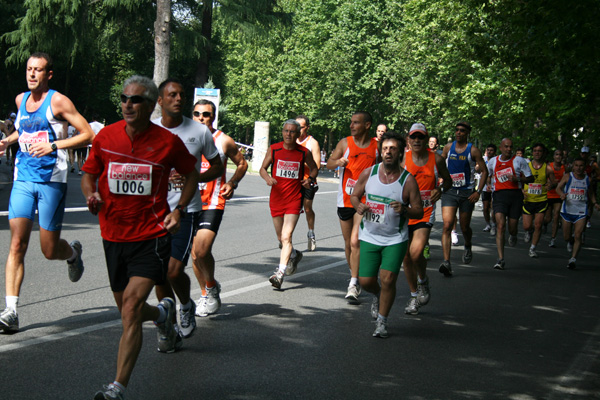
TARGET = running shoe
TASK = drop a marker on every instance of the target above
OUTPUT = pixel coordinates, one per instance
(76, 267)
(493, 230)
(187, 320)
(423, 293)
(293, 262)
(276, 279)
(312, 241)
(467, 256)
(426, 253)
(166, 334)
(454, 237)
(569, 247)
(527, 236)
(552, 242)
(446, 268)
(412, 307)
(9, 320)
(499, 264)
(512, 240)
(571, 264)
(280, 245)
(380, 330)
(353, 292)
(532, 253)
(588, 225)
(375, 307)
(212, 304)
(109, 392)
(487, 228)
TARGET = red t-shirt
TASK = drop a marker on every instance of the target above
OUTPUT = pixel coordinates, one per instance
(288, 171)
(133, 179)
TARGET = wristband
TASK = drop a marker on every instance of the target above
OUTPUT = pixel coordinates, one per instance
(181, 210)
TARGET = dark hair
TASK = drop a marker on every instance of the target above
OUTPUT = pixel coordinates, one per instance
(578, 158)
(366, 115)
(392, 135)
(304, 117)
(203, 102)
(493, 146)
(465, 124)
(538, 144)
(162, 86)
(45, 56)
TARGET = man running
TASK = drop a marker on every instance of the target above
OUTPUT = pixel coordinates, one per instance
(126, 183)
(554, 200)
(40, 178)
(287, 160)
(535, 202)
(353, 154)
(486, 196)
(508, 172)
(461, 159)
(199, 142)
(574, 189)
(593, 171)
(309, 194)
(427, 167)
(381, 129)
(214, 196)
(392, 197)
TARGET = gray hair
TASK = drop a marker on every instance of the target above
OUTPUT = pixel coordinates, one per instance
(291, 122)
(151, 92)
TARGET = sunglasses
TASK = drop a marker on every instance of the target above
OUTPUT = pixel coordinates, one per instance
(461, 130)
(417, 135)
(135, 99)
(205, 114)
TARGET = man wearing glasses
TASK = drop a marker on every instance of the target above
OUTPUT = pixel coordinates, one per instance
(461, 159)
(214, 196)
(426, 166)
(126, 183)
(40, 179)
(199, 142)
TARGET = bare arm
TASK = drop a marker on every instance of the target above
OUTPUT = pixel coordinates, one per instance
(412, 196)
(561, 186)
(440, 163)
(336, 159)
(263, 169)
(551, 180)
(190, 187)
(90, 192)
(359, 192)
(232, 151)
(214, 171)
(478, 158)
(313, 170)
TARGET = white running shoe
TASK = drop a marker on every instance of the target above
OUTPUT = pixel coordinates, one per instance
(532, 253)
(187, 320)
(527, 236)
(380, 330)
(375, 307)
(552, 242)
(353, 293)
(276, 279)
(167, 334)
(312, 241)
(571, 264)
(487, 228)
(412, 307)
(213, 300)
(569, 247)
(423, 294)
(9, 320)
(454, 237)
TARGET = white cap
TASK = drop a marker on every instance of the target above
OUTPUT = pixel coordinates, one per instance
(418, 127)
(585, 149)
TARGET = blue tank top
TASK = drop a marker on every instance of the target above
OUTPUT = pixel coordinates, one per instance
(40, 126)
(461, 167)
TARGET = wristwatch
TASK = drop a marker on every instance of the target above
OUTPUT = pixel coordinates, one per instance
(181, 210)
(234, 184)
(54, 146)
(480, 191)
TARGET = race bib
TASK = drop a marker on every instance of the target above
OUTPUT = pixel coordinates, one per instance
(287, 169)
(26, 139)
(458, 180)
(376, 213)
(174, 187)
(504, 175)
(130, 179)
(577, 194)
(426, 198)
(350, 186)
(534, 188)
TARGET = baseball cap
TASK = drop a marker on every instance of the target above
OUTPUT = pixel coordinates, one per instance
(13, 115)
(418, 127)
(585, 149)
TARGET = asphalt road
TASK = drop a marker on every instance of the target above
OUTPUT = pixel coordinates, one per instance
(529, 332)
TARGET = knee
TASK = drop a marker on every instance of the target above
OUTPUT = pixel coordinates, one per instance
(49, 251)
(388, 281)
(201, 252)
(355, 244)
(131, 311)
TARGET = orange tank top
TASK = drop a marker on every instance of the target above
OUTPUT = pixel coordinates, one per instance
(426, 177)
(358, 160)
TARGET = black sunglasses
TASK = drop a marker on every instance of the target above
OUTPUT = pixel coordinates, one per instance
(205, 114)
(417, 135)
(135, 99)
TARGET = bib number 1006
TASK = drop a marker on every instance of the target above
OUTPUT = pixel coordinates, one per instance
(129, 187)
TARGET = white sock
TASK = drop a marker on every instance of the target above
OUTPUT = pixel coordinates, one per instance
(282, 268)
(187, 306)
(354, 281)
(73, 256)
(163, 314)
(413, 294)
(533, 247)
(120, 386)
(381, 318)
(11, 302)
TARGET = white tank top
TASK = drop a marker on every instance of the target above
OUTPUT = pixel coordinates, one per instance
(577, 195)
(381, 225)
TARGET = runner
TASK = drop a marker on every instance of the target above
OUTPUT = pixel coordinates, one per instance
(554, 200)
(461, 158)
(214, 196)
(126, 184)
(508, 172)
(535, 202)
(199, 142)
(381, 129)
(426, 167)
(392, 197)
(593, 171)
(40, 179)
(352, 155)
(574, 189)
(486, 196)
(287, 160)
(309, 194)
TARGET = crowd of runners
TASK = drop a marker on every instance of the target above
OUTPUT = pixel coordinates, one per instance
(160, 189)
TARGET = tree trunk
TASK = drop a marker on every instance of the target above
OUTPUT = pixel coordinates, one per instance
(162, 45)
(203, 63)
